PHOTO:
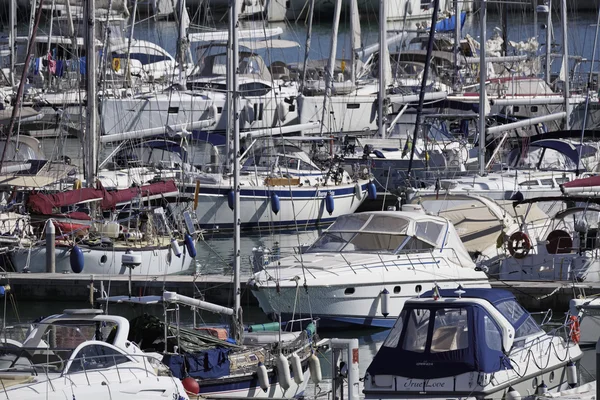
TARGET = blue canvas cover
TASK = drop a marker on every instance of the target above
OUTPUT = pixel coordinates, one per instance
(482, 353)
(208, 364)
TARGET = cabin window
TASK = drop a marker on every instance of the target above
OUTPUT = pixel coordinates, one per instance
(516, 109)
(417, 328)
(352, 105)
(529, 183)
(547, 182)
(418, 289)
(562, 180)
(394, 335)
(96, 356)
(173, 110)
(255, 89)
(534, 109)
(349, 290)
(493, 337)
(397, 289)
(450, 330)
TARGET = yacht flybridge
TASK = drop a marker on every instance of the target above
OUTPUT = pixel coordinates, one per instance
(471, 343)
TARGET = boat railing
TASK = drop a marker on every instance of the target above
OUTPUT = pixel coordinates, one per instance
(49, 361)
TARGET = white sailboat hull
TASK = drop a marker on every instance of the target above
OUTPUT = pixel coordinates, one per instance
(299, 206)
(98, 260)
(182, 107)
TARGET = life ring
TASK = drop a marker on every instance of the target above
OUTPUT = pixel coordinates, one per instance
(519, 245)
(574, 328)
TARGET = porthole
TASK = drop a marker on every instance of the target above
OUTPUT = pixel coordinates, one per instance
(534, 109)
(349, 290)
(103, 259)
(534, 383)
(397, 289)
(551, 378)
(418, 289)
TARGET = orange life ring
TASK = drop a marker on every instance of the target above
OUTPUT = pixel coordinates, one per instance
(519, 245)
(575, 331)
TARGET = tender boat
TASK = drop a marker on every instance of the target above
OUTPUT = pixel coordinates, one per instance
(471, 343)
(83, 354)
(364, 267)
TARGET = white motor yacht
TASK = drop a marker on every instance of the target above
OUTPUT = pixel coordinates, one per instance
(364, 267)
(83, 354)
(471, 343)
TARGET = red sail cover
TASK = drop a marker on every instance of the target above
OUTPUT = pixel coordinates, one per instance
(39, 203)
(592, 181)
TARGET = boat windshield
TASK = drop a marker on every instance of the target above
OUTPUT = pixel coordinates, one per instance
(450, 330)
(521, 320)
(377, 233)
(55, 346)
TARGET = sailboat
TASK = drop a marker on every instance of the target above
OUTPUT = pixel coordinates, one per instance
(237, 363)
(91, 246)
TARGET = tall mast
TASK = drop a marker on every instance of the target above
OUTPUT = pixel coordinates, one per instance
(235, 128)
(307, 47)
(383, 61)
(565, 66)
(482, 79)
(548, 41)
(182, 43)
(457, 28)
(91, 121)
(11, 41)
(354, 38)
(331, 64)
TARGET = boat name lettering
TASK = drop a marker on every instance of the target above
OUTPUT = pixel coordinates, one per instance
(419, 384)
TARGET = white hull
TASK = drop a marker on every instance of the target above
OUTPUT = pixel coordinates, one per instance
(274, 391)
(335, 306)
(344, 113)
(155, 261)
(554, 377)
(301, 207)
(182, 107)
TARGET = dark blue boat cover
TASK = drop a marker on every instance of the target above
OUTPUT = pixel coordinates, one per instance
(478, 356)
(207, 364)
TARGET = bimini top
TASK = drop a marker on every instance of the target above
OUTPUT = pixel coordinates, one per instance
(440, 335)
(392, 232)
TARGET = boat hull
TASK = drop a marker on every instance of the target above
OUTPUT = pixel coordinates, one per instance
(98, 260)
(351, 304)
(299, 206)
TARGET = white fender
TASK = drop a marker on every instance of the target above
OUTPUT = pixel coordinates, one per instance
(572, 374)
(215, 111)
(263, 376)
(315, 369)
(281, 111)
(175, 247)
(512, 394)
(283, 372)
(358, 191)
(385, 301)
(297, 368)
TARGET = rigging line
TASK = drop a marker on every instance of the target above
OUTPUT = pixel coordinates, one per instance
(434, 14)
(19, 98)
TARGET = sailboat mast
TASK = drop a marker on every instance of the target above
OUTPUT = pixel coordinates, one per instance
(331, 64)
(307, 47)
(91, 121)
(11, 41)
(383, 55)
(482, 79)
(235, 128)
(565, 66)
(457, 28)
(548, 42)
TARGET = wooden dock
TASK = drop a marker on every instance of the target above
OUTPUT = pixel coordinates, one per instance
(535, 296)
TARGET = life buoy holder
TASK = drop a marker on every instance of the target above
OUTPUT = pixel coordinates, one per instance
(519, 245)
(574, 328)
